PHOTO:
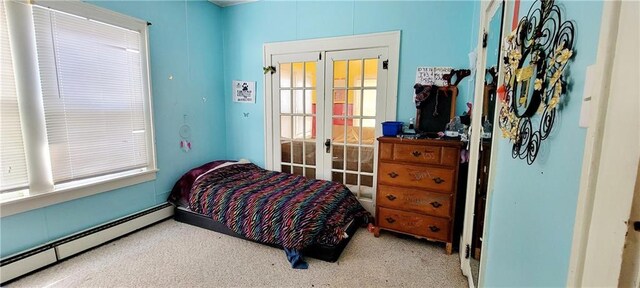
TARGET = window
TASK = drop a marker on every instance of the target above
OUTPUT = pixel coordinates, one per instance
(13, 165)
(94, 92)
(91, 80)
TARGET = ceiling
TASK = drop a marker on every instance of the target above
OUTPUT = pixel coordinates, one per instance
(225, 3)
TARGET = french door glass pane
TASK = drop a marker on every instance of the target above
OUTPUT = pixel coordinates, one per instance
(297, 170)
(337, 176)
(310, 74)
(285, 127)
(285, 101)
(351, 179)
(355, 73)
(310, 153)
(352, 158)
(298, 74)
(354, 101)
(285, 75)
(369, 103)
(298, 101)
(370, 72)
(339, 74)
(310, 173)
(286, 151)
(368, 131)
(366, 158)
(337, 158)
(310, 101)
(298, 127)
(308, 127)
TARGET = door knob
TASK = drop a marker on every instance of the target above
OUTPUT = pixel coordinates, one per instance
(327, 145)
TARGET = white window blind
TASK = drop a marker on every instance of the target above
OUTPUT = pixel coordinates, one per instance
(12, 157)
(92, 85)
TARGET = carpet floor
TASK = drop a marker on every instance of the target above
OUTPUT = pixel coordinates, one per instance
(180, 255)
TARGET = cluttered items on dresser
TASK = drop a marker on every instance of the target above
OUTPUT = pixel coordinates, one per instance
(435, 103)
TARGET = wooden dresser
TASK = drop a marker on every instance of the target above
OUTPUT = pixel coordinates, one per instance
(417, 182)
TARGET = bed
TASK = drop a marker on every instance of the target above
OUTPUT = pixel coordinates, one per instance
(305, 217)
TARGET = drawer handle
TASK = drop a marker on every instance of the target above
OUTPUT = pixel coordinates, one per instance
(416, 153)
(393, 174)
(438, 180)
(390, 220)
(434, 228)
(391, 197)
(435, 204)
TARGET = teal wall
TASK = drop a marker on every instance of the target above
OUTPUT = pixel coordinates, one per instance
(532, 208)
(186, 42)
(434, 33)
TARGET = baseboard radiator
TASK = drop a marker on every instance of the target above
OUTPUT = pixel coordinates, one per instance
(20, 264)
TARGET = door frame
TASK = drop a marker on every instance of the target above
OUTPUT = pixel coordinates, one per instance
(487, 10)
(390, 40)
(601, 216)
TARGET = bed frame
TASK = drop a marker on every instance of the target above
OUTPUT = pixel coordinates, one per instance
(317, 251)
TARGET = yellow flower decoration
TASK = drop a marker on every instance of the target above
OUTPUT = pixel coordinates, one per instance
(564, 56)
(558, 90)
(554, 101)
(516, 55)
(537, 85)
(523, 101)
(554, 78)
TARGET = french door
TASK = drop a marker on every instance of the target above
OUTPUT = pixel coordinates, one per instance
(327, 115)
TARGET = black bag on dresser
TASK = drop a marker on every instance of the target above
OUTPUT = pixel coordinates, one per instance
(435, 107)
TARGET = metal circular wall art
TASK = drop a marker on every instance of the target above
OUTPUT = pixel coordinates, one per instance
(536, 55)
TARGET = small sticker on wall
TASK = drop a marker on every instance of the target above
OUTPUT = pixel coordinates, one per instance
(244, 91)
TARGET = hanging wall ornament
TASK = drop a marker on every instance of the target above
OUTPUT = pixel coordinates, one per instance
(185, 135)
(536, 55)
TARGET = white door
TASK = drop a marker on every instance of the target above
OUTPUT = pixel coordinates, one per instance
(325, 124)
(355, 95)
(296, 113)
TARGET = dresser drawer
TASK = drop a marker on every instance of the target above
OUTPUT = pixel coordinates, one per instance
(421, 154)
(436, 204)
(417, 153)
(436, 179)
(413, 223)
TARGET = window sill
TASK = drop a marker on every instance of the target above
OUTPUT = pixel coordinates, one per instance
(75, 190)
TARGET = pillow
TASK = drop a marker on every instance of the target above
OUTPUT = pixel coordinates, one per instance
(180, 192)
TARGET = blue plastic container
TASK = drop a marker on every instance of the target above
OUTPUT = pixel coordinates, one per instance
(391, 128)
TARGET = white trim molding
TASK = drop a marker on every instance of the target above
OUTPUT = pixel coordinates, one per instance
(75, 190)
(611, 153)
(488, 10)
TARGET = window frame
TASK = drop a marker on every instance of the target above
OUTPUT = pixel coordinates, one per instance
(25, 200)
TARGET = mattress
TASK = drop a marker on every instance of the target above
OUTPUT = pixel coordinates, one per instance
(329, 253)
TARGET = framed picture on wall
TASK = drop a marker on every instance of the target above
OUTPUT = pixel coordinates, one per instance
(244, 91)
